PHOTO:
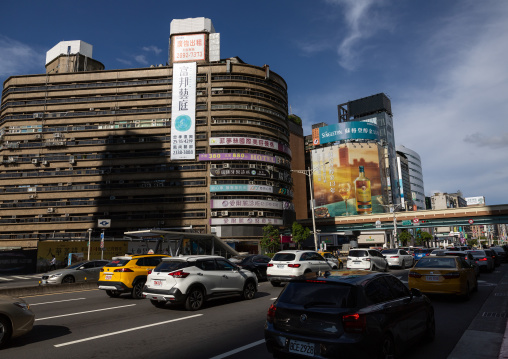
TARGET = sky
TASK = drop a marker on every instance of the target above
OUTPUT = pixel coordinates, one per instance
(443, 64)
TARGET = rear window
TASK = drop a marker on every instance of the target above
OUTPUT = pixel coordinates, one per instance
(462, 255)
(170, 266)
(117, 263)
(318, 294)
(477, 253)
(358, 253)
(390, 251)
(284, 257)
(429, 262)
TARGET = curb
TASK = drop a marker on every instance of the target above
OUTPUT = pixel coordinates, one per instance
(48, 289)
(503, 353)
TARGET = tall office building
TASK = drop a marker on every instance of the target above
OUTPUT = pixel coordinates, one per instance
(415, 176)
(404, 181)
(201, 144)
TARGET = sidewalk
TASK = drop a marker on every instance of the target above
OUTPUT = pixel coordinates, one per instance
(487, 335)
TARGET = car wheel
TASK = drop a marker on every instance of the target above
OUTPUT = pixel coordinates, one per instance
(113, 293)
(387, 349)
(5, 330)
(68, 279)
(195, 299)
(249, 290)
(137, 290)
(157, 304)
(275, 284)
(430, 330)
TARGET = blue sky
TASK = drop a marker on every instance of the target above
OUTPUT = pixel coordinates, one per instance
(442, 63)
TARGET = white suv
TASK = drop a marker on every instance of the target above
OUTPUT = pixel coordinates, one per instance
(286, 265)
(194, 279)
(369, 259)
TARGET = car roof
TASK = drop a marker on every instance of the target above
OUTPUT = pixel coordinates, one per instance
(191, 258)
(351, 277)
(129, 257)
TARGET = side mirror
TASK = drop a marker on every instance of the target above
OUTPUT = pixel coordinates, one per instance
(82, 267)
(415, 292)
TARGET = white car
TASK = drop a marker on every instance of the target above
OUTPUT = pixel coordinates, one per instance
(192, 280)
(286, 265)
(398, 257)
(369, 259)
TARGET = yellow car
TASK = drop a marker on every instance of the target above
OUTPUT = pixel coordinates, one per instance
(127, 274)
(335, 262)
(443, 274)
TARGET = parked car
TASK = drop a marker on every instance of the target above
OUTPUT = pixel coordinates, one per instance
(485, 262)
(347, 314)
(503, 256)
(16, 318)
(84, 271)
(495, 257)
(127, 274)
(286, 265)
(444, 275)
(468, 257)
(369, 259)
(398, 257)
(334, 261)
(192, 280)
(256, 263)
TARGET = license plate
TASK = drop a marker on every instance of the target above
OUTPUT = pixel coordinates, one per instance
(304, 348)
(356, 262)
(44, 281)
(280, 265)
(157, 283)
(432, 278)
(109, 276)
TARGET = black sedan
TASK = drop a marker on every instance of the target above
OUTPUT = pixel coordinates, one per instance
(347, 314)
(256, 263)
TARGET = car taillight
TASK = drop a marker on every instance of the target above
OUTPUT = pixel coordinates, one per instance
(150, 271)
(394, 257)
(179, 274)
(354, 323)
(366, 259)
(102, 269)
(414, 275)
(451, 275)
(270, 316)
(427, 254)
(482, 259)
(294, 265)
(123, 270)
(269, 265)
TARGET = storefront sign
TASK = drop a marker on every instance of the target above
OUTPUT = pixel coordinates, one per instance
(226, 172)
(236, 157)
(240, 188)
(246, 221)
(245, 203)
(248, 141)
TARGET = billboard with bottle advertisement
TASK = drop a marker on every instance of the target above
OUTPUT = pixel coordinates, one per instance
(348, 180)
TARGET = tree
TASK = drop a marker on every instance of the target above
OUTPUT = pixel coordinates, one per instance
(299, 233)
(426, 237)
(295, 119)
(404, 237)
(271, 239)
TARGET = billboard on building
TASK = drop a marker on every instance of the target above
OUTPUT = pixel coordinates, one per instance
(188, 48)
(355, 130)
(475, 201)
(183, 112)
(249, 141)
(237, 157)
(348, 180)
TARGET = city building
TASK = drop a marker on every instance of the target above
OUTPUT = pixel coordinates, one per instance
(202, 144)
(415, 176)
(450, 200)
(404, 181)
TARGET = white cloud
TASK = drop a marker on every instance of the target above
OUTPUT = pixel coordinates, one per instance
(153, 49)
(141, 59)
(17, 58)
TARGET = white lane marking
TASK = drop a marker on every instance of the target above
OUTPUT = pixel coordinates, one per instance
(125, 331)
(89, 311)
(18, 277)
(238, 350)
(2, 278)
(58, 301)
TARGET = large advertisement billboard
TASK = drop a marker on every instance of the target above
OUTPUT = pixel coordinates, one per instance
(348, 180)
(354, 130)
(183, 112)
(188, 48)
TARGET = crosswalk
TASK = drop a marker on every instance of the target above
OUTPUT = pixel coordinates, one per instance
(20, 277)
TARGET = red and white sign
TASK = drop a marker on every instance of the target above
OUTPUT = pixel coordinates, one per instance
(471, 221)
(416, 220)
(188, 48)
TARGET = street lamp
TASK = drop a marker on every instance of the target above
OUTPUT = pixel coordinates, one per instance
(393, 208)
(309, 173)
(89, 241)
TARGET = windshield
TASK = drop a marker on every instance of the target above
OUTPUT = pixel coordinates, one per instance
(358, 253)
(170, 266)
(313, 294)
(390, 251)
(433, 262)
(284, 257)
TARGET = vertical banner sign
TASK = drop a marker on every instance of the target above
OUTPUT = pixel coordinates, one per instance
(183, 111)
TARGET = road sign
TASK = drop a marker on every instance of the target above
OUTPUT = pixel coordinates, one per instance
(378, 224)
(406, 223)
(471, 221)
(104, 223)
(416, 220)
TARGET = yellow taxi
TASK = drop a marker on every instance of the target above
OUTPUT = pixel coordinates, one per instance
(444, 275)
(335, 262)
(127, 274)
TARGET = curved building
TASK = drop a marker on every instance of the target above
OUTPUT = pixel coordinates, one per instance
(415, 176)
(79, 146)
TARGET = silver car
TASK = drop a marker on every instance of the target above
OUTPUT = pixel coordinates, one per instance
(84, 271)
(483, 261)
(16, 318)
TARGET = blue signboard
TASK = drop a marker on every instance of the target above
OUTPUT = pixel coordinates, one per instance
(355, 130)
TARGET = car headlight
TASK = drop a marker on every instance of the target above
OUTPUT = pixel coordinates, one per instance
(55, 275)
(22, 305)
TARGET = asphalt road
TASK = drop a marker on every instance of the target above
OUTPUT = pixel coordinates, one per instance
(89, 324)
